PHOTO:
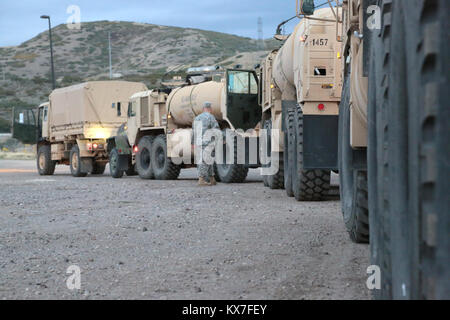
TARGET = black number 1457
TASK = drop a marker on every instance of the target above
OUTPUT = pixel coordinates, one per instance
(320, 42)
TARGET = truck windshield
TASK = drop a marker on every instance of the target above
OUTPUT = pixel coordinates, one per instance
(242, 82)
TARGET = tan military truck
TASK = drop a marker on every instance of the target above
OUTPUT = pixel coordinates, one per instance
(394, 139)
(74, 125)
(156, 140)
(301, 88)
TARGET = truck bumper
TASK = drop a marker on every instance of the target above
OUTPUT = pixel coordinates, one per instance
(87, 149)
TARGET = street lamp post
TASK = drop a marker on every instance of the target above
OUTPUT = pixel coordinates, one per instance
(51, 50)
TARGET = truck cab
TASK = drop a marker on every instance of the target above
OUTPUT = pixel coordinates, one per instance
(42, 121)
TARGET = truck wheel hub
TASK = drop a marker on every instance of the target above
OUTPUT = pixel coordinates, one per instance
(41, 161)
(145, 158)
(75, 161)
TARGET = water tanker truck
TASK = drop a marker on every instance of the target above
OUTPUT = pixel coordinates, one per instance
(301, 88)
(73, 126)
(156, 140)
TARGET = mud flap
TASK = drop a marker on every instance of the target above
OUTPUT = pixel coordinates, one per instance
(123, 162)
(320, 143)
(86, 165)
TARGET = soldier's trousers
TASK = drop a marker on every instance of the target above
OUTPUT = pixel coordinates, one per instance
(205, 171)
(205, 166)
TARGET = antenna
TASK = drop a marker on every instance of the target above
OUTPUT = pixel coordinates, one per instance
(261, 43)
(110, 62)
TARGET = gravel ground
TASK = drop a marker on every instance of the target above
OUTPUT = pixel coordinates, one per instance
(137, 239)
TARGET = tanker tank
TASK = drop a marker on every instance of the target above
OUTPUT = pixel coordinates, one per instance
(289, 68)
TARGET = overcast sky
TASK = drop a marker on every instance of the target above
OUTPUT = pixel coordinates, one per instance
(19, 19)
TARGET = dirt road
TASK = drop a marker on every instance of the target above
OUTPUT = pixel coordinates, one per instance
(138, 239)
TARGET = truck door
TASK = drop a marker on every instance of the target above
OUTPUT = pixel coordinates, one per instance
(42, 127)
(132, 122)
(24, 126)
(243, 109)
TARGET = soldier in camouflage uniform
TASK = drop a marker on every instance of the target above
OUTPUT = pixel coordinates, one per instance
(205, 146)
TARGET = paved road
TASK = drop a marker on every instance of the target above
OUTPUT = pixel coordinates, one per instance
(138, 239)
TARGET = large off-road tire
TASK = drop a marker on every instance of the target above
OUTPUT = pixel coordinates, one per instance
(231, 173)
(307, 185)
(408, 149)
(144, 158)
(353, 182)
(289, 152)
(75, 163)
(98, 168)
(264, 177)
(163, 167)
(45, 165)
(114, 169)
(275, 181)
(432, 142)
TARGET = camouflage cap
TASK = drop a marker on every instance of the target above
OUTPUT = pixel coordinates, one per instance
(207, 105)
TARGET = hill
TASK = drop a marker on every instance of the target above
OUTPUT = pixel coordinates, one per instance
(140, 52)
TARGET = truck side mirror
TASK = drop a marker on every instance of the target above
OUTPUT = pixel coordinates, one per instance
(307, 7)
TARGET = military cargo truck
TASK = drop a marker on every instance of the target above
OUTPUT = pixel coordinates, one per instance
(301, 88)
(156, 141)
(394, 139)
(73, 126)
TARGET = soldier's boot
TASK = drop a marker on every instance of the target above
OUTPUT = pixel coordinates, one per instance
(202, 182)
(212, 181)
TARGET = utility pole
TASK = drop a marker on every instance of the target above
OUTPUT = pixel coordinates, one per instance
(51, 50)
(261, 43)
(110, 60)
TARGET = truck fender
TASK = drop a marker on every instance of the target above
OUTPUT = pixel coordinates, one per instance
(123, 148)
(121, 144)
